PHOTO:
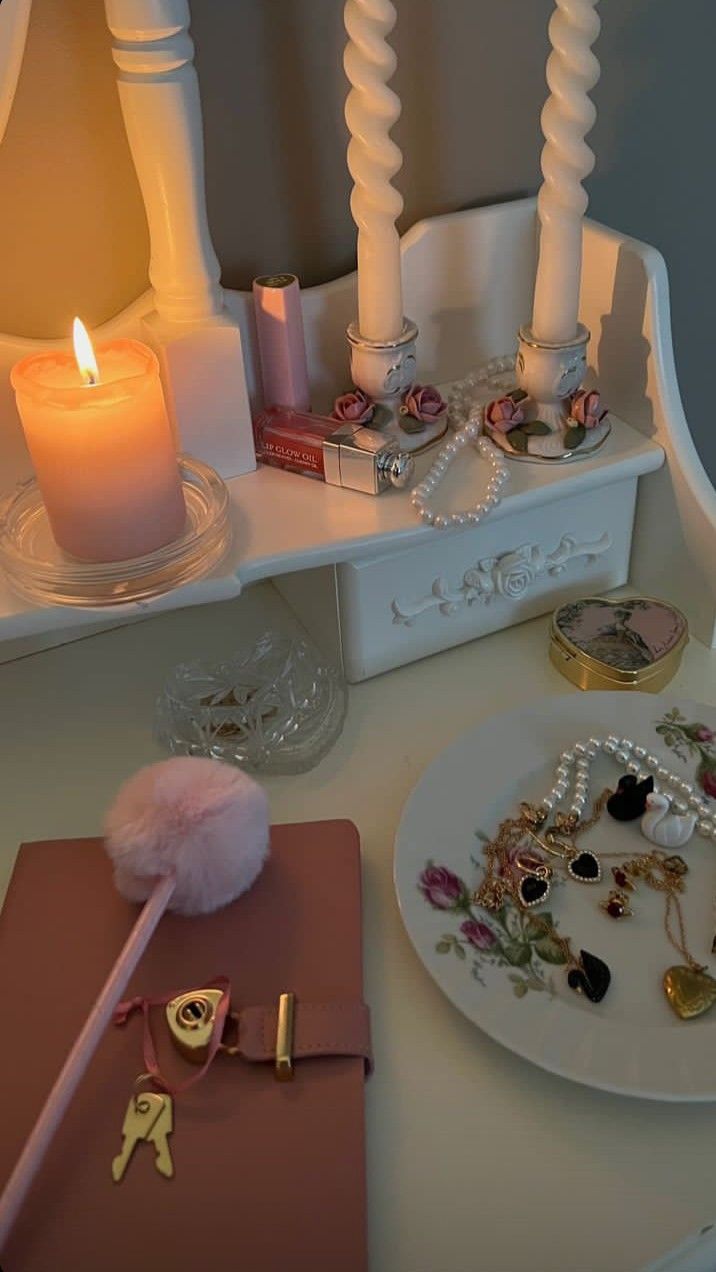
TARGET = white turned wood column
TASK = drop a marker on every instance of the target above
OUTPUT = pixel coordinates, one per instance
(197, 341)
(159, 94)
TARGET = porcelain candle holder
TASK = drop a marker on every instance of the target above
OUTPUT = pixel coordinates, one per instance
(385, 371)
(548, 417)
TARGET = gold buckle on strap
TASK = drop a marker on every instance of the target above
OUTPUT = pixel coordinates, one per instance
(284, 1038)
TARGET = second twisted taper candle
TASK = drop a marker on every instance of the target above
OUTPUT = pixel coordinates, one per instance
(568, 115)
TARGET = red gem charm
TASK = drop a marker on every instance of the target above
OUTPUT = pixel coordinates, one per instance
(616, 906)
(622, 880)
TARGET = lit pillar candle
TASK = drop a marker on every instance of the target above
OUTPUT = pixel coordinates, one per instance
(102, 448)
(572, 70)
(373, 158)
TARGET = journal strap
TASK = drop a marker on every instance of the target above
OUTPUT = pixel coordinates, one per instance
(319, 1029)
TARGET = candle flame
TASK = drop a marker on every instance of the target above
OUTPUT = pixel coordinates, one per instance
(84, 353)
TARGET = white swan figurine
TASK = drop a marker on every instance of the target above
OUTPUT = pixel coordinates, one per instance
(668, 830)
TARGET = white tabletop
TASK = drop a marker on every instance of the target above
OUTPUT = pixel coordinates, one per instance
(476, 1160)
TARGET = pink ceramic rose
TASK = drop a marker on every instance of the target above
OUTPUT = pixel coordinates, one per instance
(504, 414)
(703, 734)
(707, 778)
(424, 402)
(478, 934)
(354, 407)
(441, 888)
(586, 408)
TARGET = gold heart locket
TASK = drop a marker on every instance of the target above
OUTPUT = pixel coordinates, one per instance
(690, 991)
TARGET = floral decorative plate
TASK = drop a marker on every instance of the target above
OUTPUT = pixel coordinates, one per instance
(500, 970)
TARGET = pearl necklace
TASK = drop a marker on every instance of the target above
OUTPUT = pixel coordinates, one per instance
(576, 762)
(420, 496)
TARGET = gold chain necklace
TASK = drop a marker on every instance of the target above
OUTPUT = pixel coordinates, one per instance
(512, 874)
(689, 989)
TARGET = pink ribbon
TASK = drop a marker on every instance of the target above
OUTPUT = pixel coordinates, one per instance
(124, 1010)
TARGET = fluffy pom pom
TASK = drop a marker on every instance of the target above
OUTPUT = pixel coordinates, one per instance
(204, 821)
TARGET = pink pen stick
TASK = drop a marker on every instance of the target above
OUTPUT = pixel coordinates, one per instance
(75, 1065)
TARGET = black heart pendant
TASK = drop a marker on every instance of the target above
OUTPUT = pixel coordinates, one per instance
(585, 868)
(591, 979)
(533, 889)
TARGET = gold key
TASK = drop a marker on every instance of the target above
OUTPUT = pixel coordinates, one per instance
(158, 1136)
(145, 1111)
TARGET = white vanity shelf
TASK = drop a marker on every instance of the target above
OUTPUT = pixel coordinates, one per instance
(468, 282)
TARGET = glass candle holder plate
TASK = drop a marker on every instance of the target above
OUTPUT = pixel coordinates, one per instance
(39, 570)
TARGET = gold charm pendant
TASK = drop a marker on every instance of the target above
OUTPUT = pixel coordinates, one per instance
(582, 865)
(536, 882)
(616, 905)
(690, 991)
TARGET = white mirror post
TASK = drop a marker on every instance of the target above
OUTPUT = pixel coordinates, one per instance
(198, 342)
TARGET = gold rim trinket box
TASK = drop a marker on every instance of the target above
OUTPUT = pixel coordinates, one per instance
(631, 643)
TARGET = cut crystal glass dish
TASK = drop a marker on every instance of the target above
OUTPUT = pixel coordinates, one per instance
(274, 707)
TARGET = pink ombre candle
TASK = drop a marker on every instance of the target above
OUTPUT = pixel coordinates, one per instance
(102, 448)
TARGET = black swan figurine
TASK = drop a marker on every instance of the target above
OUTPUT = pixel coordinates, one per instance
(629, 799)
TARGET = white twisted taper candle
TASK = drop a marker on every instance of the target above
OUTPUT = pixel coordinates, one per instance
(373, 159)
(568, 115)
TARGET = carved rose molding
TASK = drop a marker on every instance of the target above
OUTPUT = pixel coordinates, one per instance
(510, 576)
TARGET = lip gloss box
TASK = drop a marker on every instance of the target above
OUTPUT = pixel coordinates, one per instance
(334, 451)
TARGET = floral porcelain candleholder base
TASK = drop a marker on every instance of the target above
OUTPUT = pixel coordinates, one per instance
(386, 395)
(548, 417)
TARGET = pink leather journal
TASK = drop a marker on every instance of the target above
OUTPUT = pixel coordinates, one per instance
(268, 1176)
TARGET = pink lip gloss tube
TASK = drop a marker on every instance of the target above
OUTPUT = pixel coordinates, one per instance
(339, 453)
(279, 322)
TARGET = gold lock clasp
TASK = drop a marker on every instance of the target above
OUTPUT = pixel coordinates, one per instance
(191, 1018)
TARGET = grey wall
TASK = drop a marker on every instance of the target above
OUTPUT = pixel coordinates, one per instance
(655, 177)
(471, 77)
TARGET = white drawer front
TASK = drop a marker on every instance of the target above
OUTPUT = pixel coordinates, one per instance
(405, 605)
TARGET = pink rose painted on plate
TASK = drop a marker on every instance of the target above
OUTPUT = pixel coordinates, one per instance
(442, 888)
(504, 414)
(478, 934)
(354, 407)
(689, 740)
(509, 938)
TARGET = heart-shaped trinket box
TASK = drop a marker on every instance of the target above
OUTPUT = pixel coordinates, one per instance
(632, 643)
